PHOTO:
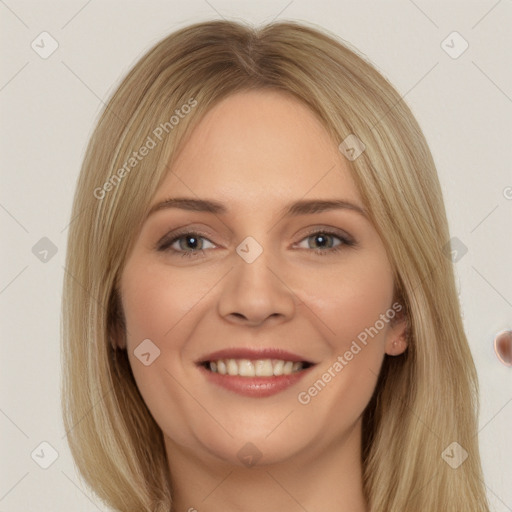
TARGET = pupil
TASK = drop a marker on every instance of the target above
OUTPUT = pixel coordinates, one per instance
(192, 241)
(322, 239)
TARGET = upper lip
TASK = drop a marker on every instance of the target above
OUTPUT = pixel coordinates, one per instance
(254, 354)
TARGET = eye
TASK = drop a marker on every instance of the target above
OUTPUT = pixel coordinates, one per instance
(191, 244)
(323, 239)
(187, 244)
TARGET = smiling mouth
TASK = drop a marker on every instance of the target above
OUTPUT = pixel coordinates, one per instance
(255, 368)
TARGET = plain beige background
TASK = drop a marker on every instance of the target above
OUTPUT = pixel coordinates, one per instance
(463, 101)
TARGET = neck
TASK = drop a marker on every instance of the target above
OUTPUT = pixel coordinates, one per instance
(330, 481)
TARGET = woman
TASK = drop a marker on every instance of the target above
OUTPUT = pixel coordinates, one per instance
(259, 313)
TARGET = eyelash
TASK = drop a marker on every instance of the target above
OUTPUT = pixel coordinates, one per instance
(165, 244)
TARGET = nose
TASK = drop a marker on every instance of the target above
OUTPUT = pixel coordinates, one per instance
(257, 292)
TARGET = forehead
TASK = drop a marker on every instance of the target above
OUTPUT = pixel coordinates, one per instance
(258, 145)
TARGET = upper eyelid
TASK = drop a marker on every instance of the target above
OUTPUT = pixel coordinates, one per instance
(172, 238)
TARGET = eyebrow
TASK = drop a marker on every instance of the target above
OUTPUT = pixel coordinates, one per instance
(301, 207)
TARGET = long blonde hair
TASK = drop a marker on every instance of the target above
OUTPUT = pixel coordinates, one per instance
(424, 400)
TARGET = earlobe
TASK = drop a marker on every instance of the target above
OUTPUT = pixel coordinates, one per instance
(397, 341)
(398, 346)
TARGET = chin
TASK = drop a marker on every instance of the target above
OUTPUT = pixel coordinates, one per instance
(258, 447)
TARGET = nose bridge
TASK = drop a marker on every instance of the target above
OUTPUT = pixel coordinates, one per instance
(250, 250)
(256, 290)
(259, 261)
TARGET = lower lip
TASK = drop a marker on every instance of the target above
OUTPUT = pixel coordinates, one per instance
(258, 387)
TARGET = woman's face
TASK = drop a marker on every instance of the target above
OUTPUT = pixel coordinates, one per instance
(252, 282)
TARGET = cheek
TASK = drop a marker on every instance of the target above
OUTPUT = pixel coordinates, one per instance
(155, 304)
(349, 305)
(351, 300)
(156, 300)
(162, 305)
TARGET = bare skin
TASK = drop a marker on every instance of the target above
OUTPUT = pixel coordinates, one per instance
(255, 153)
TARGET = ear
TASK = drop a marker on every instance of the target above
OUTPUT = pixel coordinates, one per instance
(116, 323)
(396, 341)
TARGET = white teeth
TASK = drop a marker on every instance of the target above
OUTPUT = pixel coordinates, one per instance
(296, 366)
(221, 367)
(264, 368)
(287, 368)
(246, 368)
(258, 368)
(278, 367)
(232, 367)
